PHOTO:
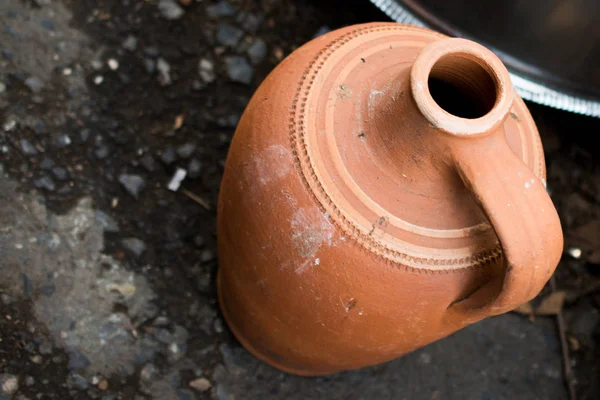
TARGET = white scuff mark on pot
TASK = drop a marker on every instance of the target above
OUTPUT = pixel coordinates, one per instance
(311, 230)
(344, 93)
(529, 183)
(273, 164)
(373, 97)
(350, 304)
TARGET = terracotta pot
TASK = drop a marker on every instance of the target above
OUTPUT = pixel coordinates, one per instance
(384, 188)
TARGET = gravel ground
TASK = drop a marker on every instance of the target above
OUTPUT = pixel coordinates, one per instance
(114, 114)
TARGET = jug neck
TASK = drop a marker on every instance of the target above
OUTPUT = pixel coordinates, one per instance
(461, 88)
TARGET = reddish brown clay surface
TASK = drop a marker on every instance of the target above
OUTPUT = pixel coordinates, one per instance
(359, 220)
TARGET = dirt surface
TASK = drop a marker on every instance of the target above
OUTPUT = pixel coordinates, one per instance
(107, 287)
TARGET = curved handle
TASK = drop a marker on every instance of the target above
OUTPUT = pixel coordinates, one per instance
(521, 213)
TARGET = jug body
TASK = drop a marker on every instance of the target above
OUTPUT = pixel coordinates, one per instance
(354, 225)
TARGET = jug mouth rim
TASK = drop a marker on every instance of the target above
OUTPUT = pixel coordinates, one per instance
(462, 57)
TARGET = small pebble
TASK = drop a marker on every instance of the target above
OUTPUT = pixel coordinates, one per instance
(45, 348)
(176, 352)
(206, 69)
(239, 70)
(47, 24)
(176, 180)
(60, 173)
(186, 150)
(199, 241)
(178, 123)
(103, 385)
(322, 30)
(106, 222)
(27, 148)
(229, 121)
(64, 189)
(222, 392)
(251, 22)
(258, 51)
(133, 184)
(168, 156)
(151, 51)
(218, 326)
(84, 135)
(9, 384)
(101, 152)
(575, 252)
(228, 35)
(200, 384)
(9, 125)
(207, 255)
(67, 71)
(6, 299)
(170, 9)
(197, 85)
(63, 141)
(29, 381)
(2, 87)
(148, 373)
(164, 71)
(45, 182)
(98, 79)
(135, 245)
(79, 382)
(36, 359)
(130, 43)
(278, 53)
(161, 321)
(221, 9)
(113, 64)
(47, 164)
(96, 64)
(150, 65)
(34, 84)
(194, 168)
(148, 162)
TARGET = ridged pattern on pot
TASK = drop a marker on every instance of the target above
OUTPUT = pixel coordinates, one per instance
(526, 88)
(314, 186)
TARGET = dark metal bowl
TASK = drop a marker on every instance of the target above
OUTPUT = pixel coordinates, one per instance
(551, 47)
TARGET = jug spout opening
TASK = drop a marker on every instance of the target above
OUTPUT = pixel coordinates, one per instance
(461, 87)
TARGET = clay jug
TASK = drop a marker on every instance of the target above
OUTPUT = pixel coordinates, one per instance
(384, 189)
